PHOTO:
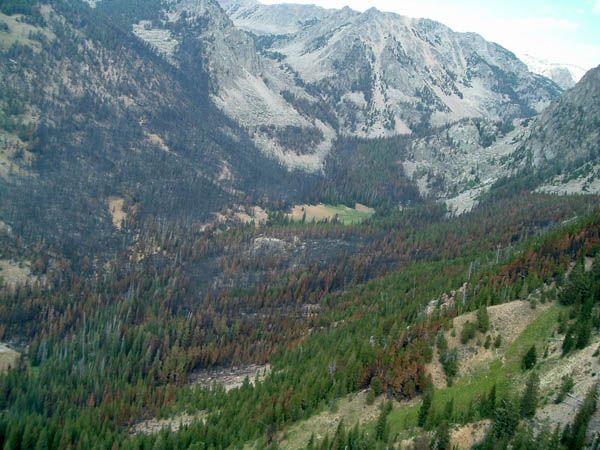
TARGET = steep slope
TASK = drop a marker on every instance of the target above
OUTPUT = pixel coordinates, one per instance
(87, 137)
(253, 89)
(459, 162)
(565, 75)
(568, 131)
(565, 139)
(300, 76)
(557, 151)
(385, 74)
(277, 19)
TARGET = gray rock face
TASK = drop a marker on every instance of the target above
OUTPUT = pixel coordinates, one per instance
(298, 77)
(560, 147)
(278, 19)
(565, 75)
(257, 91)
(385, 74)
(567, 134)
(469, 154)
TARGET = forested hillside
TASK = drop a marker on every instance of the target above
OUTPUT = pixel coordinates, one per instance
(90, 114)
(166, 283)
(106, 353)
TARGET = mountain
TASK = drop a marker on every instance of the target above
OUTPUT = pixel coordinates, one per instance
(299, 77)
(565, 75)
(276, 19)
(203, 247)
(556, 152)
(245, 116)
(401, 75)
(565, 138)
(91, 116)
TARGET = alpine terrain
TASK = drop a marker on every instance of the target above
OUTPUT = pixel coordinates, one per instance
(232, 225)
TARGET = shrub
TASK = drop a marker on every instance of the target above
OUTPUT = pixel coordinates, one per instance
(483, 319)
(468, 332)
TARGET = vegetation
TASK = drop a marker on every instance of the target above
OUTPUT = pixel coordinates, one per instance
(529, 359)
(120, 322)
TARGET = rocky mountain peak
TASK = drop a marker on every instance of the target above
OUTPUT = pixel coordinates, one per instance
(289, 71)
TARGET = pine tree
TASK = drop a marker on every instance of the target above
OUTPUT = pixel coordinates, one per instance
(441, 438)
(449, 410)
(498, 341)
(492, 398)
(311, 442)
(376, 385)
(529, 400)
(381, 427)
(442, 343)
(43, 441)
(577, 288)
(483, 319)
(425, 406)
(576, 439)
(339, 440)
(595, 275)
(584, 332)
(565, 387)
(529, 359)
(506, 419)
(568, 342)
(370, 397)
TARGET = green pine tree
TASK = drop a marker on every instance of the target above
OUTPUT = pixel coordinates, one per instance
(425, 406)
(529, 359)
(529, 400)
(441, 438)
(483, 319)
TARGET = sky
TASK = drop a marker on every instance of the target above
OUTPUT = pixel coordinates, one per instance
(560, 31)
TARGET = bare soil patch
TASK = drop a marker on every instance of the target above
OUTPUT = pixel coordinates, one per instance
(118, 214)
(159, 142)
(15, 273)
(230, 377)
(468, 435)
(8, 358)
(153, 426)
(583, 367)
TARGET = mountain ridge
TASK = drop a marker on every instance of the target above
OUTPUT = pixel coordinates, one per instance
(400, 75)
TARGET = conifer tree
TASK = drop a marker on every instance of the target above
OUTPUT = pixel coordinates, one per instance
(483, 319)
(529, 400)
(529, 359)
(441, 438)
(506, 419)
(576, 439)
(584, 332)
(425, 406)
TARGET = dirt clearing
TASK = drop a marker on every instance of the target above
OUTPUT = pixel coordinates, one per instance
(118, 214)
(8, 358)
(15, 273)
(321, 212)
(231, 377)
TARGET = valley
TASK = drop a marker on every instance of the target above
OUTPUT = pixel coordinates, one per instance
(235, 225)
